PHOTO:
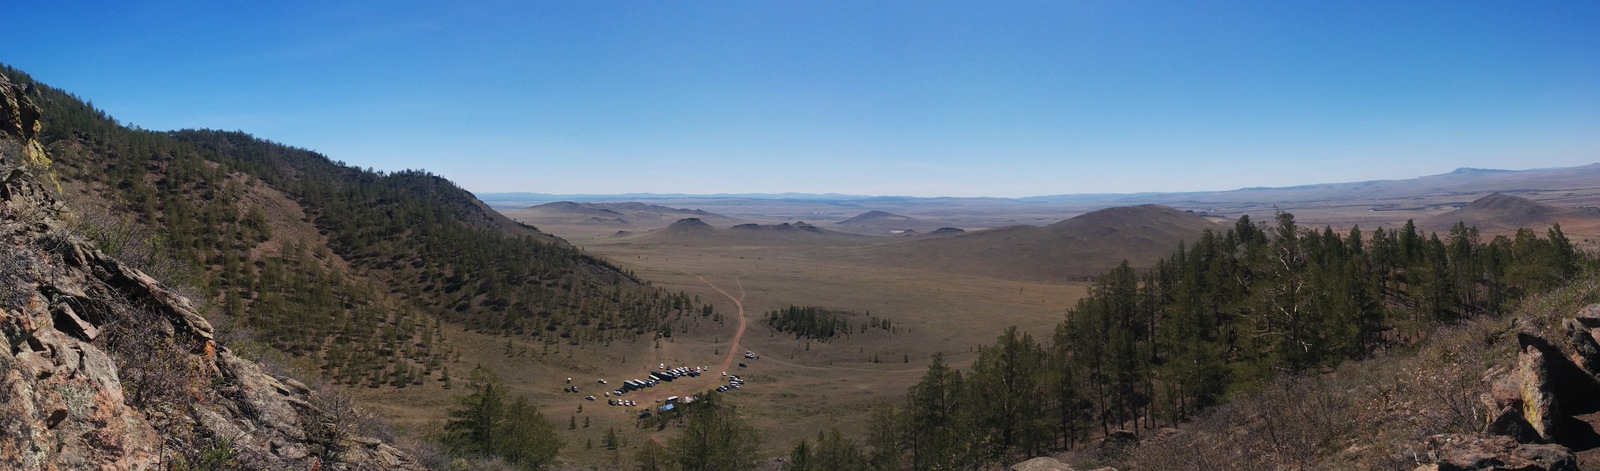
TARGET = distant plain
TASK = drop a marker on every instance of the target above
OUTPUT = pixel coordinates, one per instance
(794, 251)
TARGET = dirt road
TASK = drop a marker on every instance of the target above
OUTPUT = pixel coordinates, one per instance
(733, 346)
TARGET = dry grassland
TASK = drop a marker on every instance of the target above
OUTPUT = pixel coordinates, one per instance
(795, 388)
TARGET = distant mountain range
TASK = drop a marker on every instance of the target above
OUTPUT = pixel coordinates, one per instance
(1463, 180)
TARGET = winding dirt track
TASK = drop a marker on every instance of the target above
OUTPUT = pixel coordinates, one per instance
(733, 346)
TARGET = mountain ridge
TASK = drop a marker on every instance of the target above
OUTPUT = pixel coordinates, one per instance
(1081, 246)
(495, 197)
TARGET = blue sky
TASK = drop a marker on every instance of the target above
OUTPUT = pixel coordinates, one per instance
(921, 98)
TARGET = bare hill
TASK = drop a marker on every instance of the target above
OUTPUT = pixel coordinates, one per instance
(692, 232)
(689, 227)
(630, 215)
(887, 223)
(1499, 212)
(877, 217)
(1081, 246)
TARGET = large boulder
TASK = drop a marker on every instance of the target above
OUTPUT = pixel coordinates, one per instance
(1585, 349)
(1041, 464)
(1457, 452)
(1589, 316)
(1504, 405)
(1540, 408)
(1045, 463)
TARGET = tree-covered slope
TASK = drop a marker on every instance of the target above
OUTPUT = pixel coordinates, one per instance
(351, 268)
(1220, 319)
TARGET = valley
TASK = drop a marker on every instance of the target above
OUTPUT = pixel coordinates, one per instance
(795, 388)
(940, 300)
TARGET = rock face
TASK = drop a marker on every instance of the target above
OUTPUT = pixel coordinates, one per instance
(105, 368)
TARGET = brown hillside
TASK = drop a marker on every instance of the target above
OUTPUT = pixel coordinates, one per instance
(693, 232)
(689, 227)
(875, 217)
(1500, 209)
(1085, 245)
(111, 369)
(628, 215)
(1499, 213)
(886, 223)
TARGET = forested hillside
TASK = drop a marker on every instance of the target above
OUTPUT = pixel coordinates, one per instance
(350, 268)
(1220, 318)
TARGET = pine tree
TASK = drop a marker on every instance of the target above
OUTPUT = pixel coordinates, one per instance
(800, 458)
(935, 434)
(1006, 389)
(715, 439)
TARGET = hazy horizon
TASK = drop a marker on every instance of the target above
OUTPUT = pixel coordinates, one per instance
(904, 99)
(553, 197)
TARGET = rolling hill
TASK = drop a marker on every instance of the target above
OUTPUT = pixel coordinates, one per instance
(300, 250)
(694, 232)
(1498, 212)
(884, 223)
(114, 369)
(631, 216)
(1085, 245)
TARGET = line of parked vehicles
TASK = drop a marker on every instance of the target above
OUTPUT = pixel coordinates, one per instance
(663, 373)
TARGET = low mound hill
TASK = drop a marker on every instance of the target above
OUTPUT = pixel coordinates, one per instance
(689, 227)
(798, 226)
(696, 232)
(877, 217)
(886, 223)
(1505, 212)
(575, 212)
(1082, 246)
(631, 215)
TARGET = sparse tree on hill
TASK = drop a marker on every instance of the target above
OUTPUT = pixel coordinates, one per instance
(835, 452)
(652, 457)
(487, 424)
(800, 458)
(715, 439)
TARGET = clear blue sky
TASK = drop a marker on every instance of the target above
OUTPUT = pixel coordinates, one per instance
(906, 98)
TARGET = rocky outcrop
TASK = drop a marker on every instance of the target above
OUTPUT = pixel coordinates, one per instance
(1540, 408)
(1540, 411)
(1454, 452)
(1041, 464)
(105, 368)
(19, 118)
(1047, 464)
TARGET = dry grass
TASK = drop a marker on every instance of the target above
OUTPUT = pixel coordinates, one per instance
(794, 390)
